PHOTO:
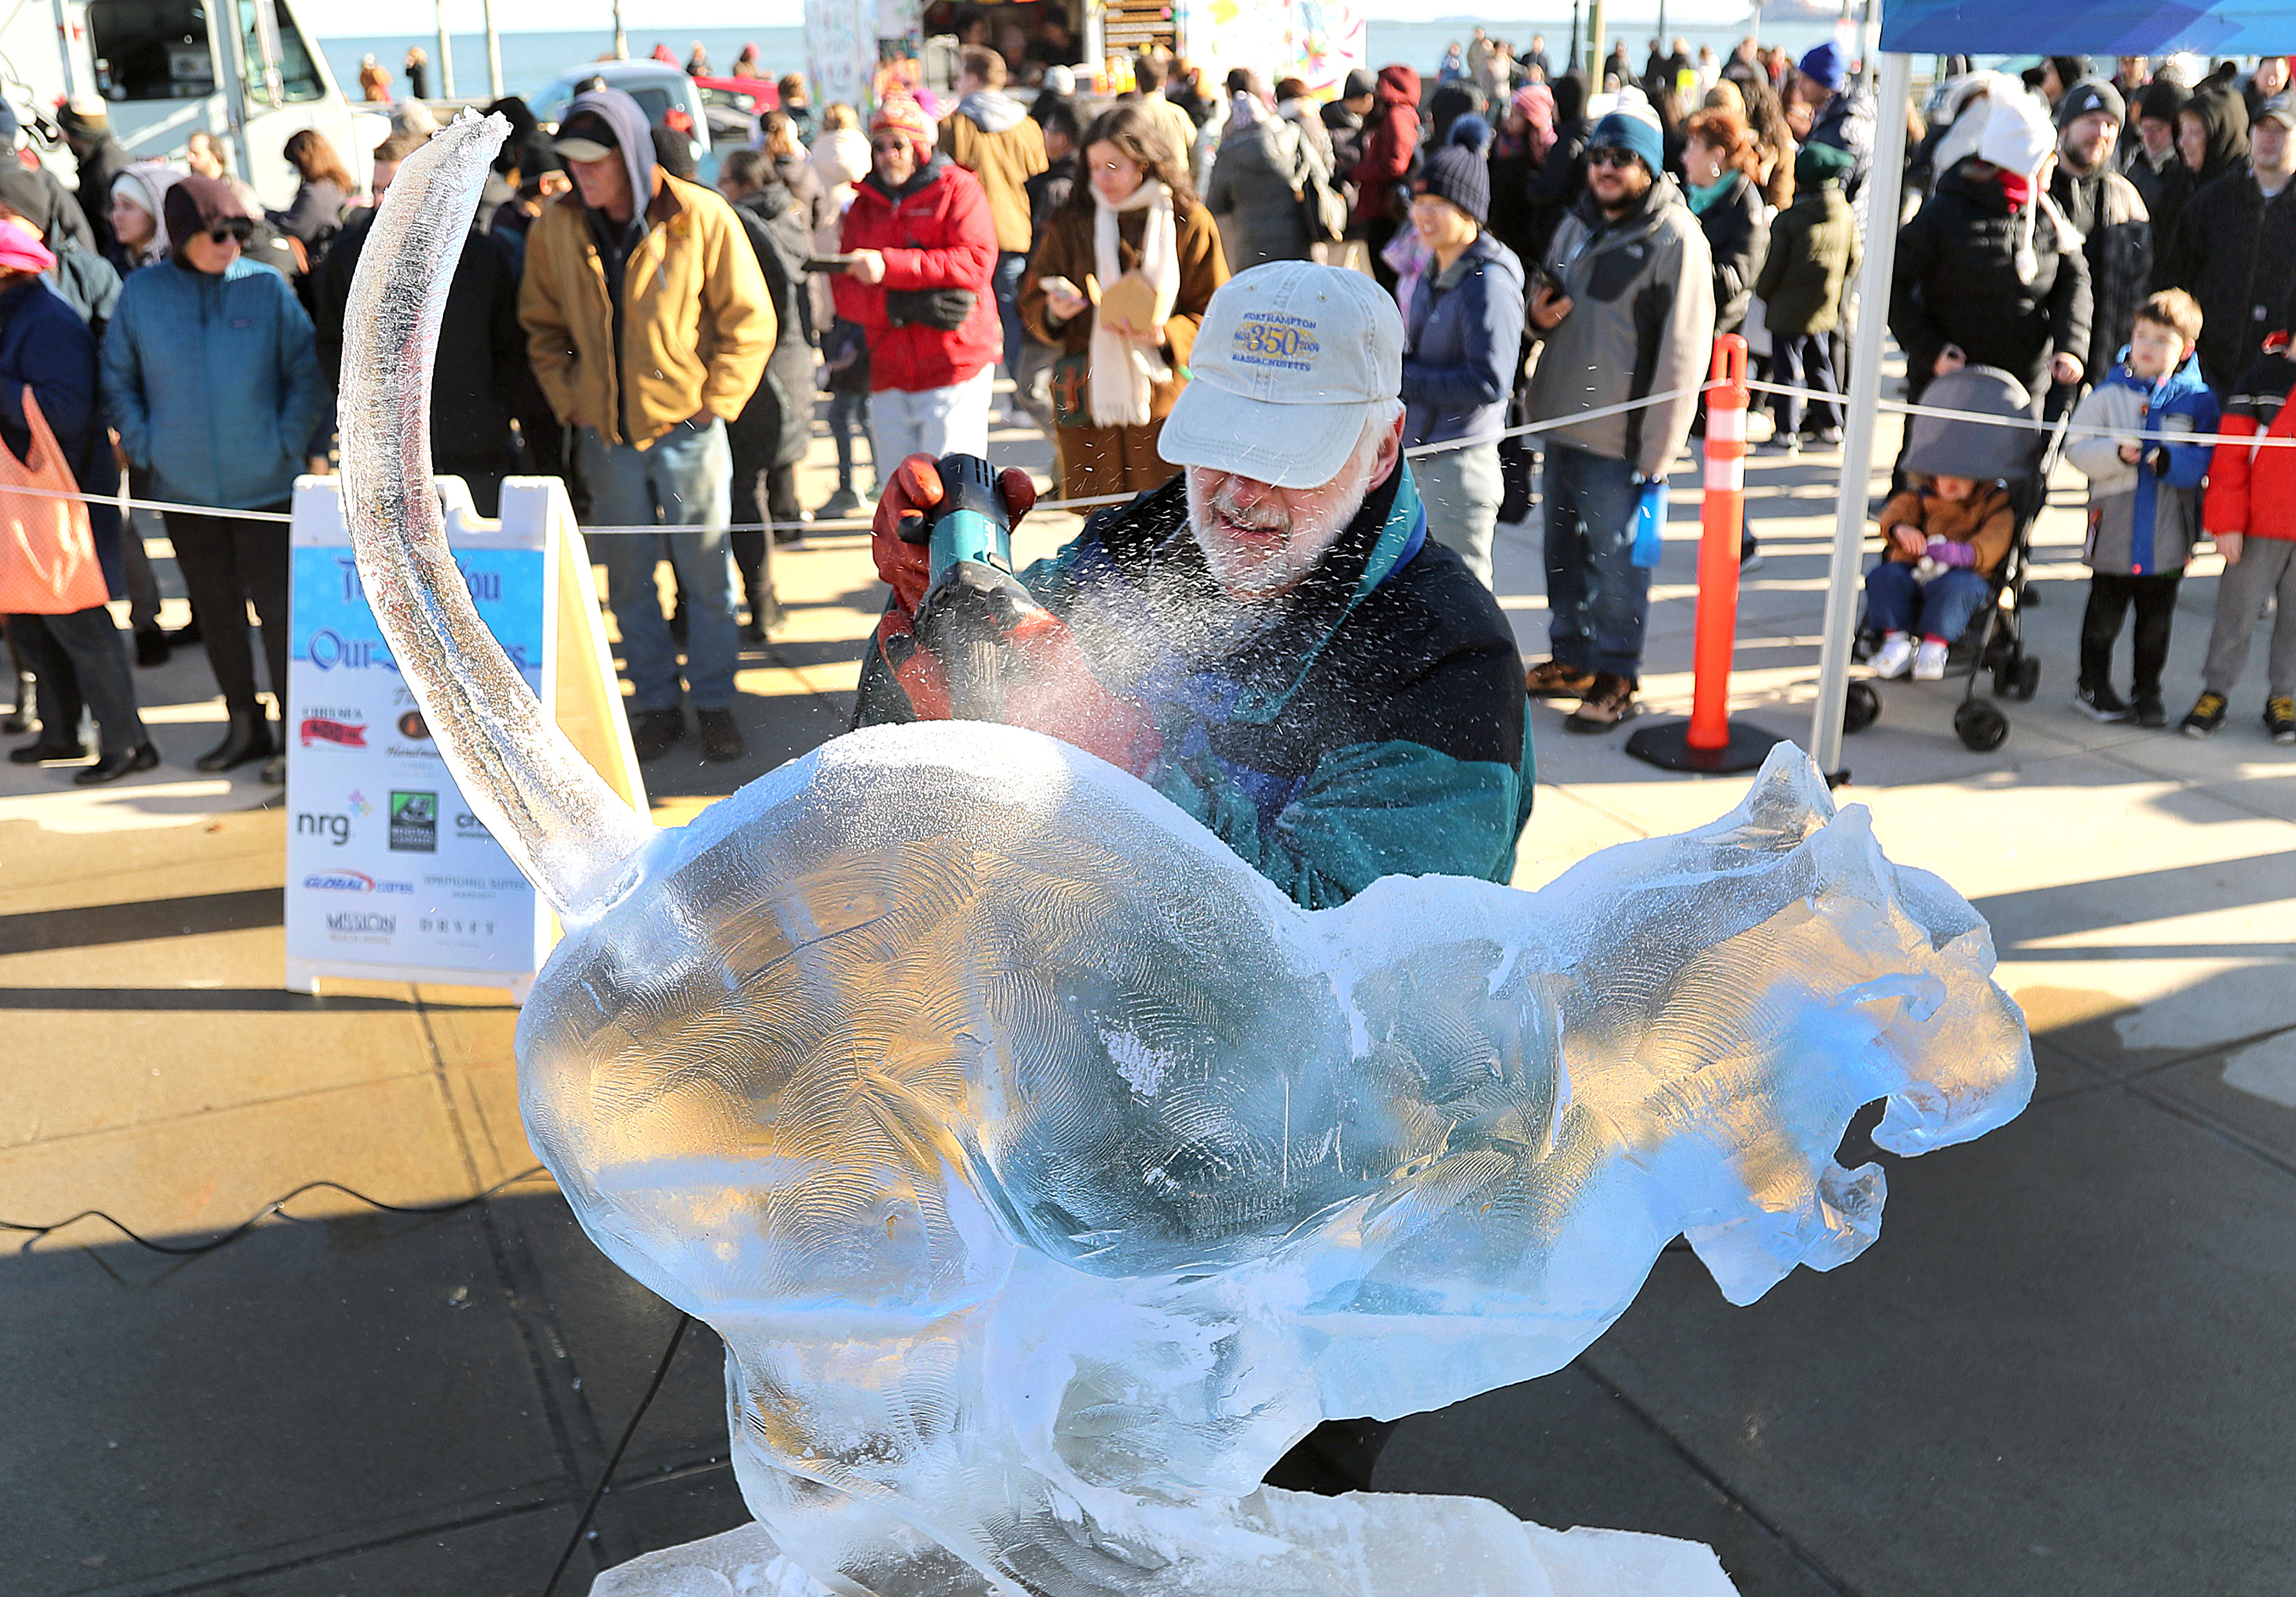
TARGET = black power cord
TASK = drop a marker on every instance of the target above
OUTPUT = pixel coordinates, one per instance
(606, 1476)
(277, 1206)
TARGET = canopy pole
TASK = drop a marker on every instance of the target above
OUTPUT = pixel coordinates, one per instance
(1884, 186)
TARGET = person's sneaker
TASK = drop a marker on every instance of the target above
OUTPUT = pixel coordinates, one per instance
(2208, 714)
(842, 504)
(721, 735)
(1783, 443)
(2280, 719)
(2150, 712)
(1552, 679)
(1929, 660)
(2100, 703)
(1610, 700)
(1828, 437)
(1895, 654)
(655, 731)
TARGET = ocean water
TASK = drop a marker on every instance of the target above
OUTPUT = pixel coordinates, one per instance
(530, 59)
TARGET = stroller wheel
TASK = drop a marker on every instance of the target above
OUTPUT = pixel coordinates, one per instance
(1861, 709)
(2028, 678)
(1979, 727)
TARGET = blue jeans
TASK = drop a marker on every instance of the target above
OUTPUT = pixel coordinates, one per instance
(1597, 599)
(685, 478)
(1897, 602)
(1011, 267)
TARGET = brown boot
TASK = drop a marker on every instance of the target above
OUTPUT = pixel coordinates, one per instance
(1552, 679)
(1610, 700)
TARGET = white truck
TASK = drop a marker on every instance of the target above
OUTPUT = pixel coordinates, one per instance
(243, 70)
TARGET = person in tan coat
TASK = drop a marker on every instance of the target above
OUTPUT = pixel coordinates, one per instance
(1120, 284)
(991, 135)
(647, 324)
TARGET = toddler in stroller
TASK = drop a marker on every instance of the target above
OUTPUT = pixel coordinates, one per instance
(1941, 542)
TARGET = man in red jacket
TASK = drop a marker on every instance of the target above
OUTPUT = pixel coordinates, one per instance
(2251, 512)
(925, 250)
(1391, 142)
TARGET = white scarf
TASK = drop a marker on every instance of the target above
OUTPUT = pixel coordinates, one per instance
(1122, 372)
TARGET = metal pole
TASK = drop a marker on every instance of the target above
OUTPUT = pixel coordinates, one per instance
(1595, 43)
(1661, 25)
(446, 55)
(494, 54)
(1864, 400)
(235, 91)
(1575, 7)
(621, 39)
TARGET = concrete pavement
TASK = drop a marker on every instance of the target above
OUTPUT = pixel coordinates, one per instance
(2058, 1371)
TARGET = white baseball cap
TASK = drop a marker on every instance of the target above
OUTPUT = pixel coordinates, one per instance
(1287, 358)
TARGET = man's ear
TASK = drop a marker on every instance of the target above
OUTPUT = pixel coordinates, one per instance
(1391, 451)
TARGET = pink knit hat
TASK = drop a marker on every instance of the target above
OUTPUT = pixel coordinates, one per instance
(21, 248)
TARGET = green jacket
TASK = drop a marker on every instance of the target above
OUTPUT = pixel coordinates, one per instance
(1374, 725)
(1813, 254)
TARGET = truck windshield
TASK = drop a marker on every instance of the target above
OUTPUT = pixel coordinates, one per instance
(151, 49)
(299, 80)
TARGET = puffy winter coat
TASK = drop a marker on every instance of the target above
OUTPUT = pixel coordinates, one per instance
(934, 233)
(212, 382)
(2143, 517)
(1374, 726)
(1390, 139)
(1253, 186)
(1641, 322)
(2235, 251)
(1737, 229)
(2117, 234)
(1813, 254)
(1959, 281)
(1067, 251)
(2253, 490)
(1463, 347)
(990, 135)
(1986, 521)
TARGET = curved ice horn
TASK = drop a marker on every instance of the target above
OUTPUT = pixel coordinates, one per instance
(570, 834)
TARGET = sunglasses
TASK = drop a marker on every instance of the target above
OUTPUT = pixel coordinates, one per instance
(888, 146)
(1607, 155)
(241, 231)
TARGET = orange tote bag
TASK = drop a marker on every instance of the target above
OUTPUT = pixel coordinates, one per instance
(47, 549)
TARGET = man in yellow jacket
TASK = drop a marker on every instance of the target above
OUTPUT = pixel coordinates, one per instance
(647, 324)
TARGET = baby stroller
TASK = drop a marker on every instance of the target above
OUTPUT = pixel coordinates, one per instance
(2020, 457)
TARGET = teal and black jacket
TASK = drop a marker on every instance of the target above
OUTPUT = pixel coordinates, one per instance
(1373, 725)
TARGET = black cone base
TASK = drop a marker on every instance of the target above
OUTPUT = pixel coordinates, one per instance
(1666, 744)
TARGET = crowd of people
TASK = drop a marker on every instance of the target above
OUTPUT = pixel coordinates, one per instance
(661, 343)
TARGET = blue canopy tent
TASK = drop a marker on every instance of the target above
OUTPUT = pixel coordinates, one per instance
(1911, 27)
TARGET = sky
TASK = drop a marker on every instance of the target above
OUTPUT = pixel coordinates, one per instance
(336, 18)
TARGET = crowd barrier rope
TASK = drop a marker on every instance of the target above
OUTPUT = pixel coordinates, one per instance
(1525, 429)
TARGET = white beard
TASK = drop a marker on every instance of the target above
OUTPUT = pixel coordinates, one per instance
(1254, 575)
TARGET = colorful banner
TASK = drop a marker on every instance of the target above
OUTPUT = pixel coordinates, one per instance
(1318, 41)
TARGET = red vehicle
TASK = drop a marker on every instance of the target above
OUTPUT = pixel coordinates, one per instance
(734, 105)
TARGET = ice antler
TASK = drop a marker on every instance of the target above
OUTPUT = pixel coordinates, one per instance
(570, 834)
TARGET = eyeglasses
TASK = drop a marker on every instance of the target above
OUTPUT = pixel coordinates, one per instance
(1607, 155)
(888, 146)
(241, 231)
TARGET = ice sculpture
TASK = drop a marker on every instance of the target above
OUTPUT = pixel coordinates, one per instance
(1047, 1174)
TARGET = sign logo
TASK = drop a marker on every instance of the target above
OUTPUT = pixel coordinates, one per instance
(358, 805)
(340, 882)
(469, 827)
(331, 650)
(346, 735)
(411, 728)
(413, 822)
(338, 827)
(1268, 339)
(362, 923)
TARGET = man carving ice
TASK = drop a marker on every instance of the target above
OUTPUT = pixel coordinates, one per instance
(1271, 642)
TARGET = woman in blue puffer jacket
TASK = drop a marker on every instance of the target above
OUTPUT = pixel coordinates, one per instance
(1461, 345)
(211, 379)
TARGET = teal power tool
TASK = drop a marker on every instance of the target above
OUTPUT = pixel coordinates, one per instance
(973, 599)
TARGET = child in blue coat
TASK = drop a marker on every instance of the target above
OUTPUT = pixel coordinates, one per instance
(2143, 499)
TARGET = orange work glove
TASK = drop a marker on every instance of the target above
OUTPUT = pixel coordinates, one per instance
(910, 492)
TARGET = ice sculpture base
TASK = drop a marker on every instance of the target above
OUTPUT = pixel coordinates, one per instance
(1377, 1545)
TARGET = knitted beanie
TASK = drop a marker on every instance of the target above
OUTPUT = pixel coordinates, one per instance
(1638, 135)
(1461, 176)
